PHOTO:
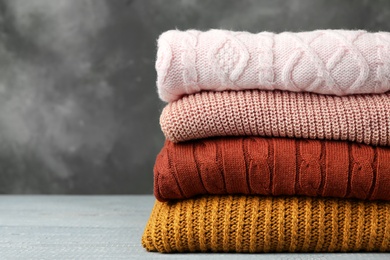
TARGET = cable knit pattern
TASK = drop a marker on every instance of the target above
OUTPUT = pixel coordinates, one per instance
(338, 62)
(268, 224)
(272, 166)
(275, 142)
(358, 118)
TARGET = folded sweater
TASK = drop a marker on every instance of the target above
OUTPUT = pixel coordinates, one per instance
(358, 118)
(268, 224)
(338, 62)
(272, 166)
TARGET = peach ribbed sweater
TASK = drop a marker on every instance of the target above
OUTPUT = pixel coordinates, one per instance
(272, 166)
(358, 118)
(338, 62)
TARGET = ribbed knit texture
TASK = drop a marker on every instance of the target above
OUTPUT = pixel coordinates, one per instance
(272, 166)
(275, 142)
(358, 118)
(268, 224)
(338, 62)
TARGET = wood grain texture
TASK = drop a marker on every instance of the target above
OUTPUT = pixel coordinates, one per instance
(95, 227)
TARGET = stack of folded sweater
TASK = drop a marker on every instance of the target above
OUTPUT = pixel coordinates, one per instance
(275, 142)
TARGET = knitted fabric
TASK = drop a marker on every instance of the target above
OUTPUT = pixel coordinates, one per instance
(336, 62)
(268, 224)
(272, 166)
(358, 118)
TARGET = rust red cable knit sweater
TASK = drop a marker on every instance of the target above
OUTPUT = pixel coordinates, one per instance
(272, 166)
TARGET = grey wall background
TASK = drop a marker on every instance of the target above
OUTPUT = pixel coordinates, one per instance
(78, 104)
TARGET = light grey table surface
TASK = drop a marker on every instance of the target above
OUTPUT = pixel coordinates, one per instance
(96, 227)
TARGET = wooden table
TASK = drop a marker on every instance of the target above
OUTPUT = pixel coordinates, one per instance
(96, 227)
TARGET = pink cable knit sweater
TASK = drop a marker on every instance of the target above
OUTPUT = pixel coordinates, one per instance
(338, 62)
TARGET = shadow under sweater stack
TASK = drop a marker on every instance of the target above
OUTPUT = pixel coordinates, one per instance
(275, 142)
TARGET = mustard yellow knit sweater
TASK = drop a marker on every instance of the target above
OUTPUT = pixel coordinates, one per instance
(268, 224)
